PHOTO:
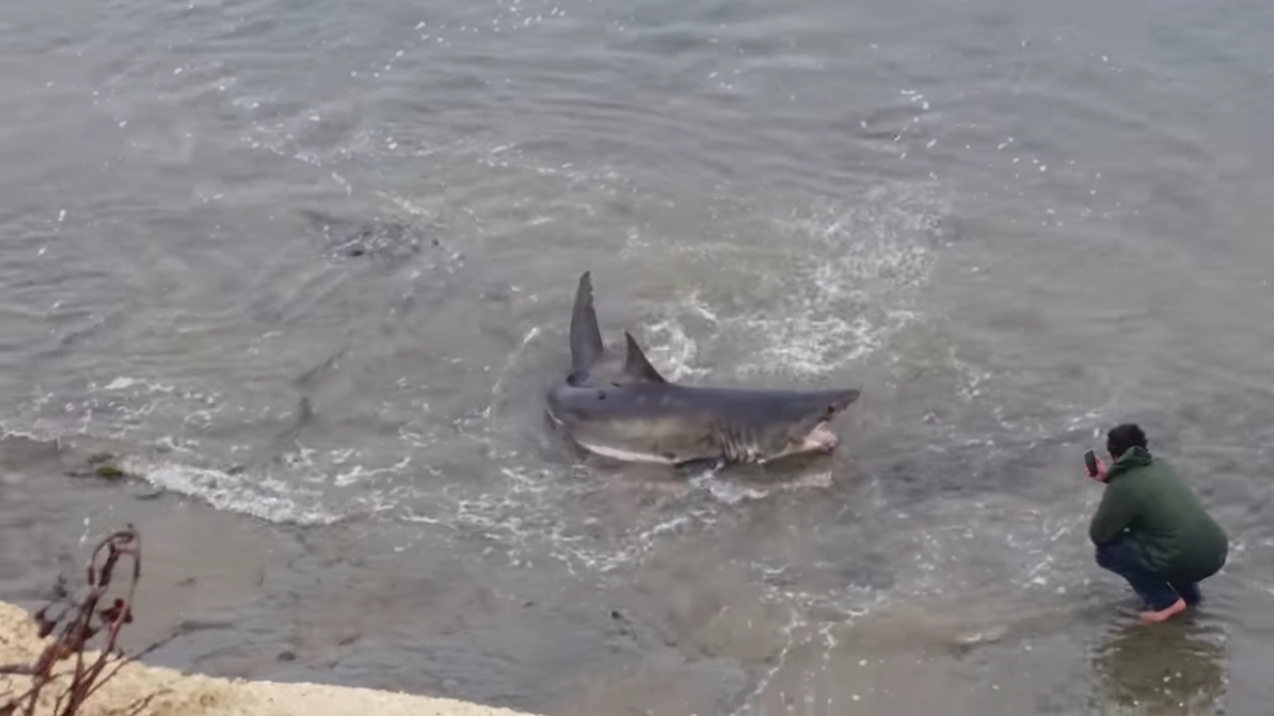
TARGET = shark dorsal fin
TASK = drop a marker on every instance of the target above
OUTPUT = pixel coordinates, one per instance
(636, 367)
(586, 337)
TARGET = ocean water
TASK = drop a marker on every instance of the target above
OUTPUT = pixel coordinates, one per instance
(307, 268)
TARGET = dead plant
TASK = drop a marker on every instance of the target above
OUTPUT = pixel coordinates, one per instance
(76, 625)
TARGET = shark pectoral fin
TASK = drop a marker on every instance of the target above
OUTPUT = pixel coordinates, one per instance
(586, 336)
(636, 367)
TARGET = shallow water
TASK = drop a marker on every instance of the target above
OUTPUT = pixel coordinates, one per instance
(309, 266)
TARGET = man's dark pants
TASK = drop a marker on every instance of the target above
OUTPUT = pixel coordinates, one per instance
(1118, 557)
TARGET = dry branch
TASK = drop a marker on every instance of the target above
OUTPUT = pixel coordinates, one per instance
(76, 625)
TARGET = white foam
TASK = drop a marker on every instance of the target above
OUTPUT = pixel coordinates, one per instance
(361, 475)
(673, 348)
(852, 276)
(728, 491)
(260, 496)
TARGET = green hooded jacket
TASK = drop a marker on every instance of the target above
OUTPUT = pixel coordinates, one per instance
(1166, 524)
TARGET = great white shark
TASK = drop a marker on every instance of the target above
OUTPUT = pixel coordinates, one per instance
(618, 406)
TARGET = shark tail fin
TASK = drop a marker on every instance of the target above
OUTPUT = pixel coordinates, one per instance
(586, 336)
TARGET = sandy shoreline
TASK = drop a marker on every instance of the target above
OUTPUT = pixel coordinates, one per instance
(197, 695)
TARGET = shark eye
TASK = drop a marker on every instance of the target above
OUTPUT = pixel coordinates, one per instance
(601, 395)
(831, 410)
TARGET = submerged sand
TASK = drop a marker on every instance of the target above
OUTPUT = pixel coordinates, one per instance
(175, 693)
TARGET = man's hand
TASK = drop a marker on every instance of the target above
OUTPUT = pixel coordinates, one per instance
(1101, 470)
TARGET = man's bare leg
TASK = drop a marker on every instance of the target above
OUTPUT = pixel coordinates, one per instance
(1165, 614)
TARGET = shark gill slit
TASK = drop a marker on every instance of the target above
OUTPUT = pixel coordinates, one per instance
(735, 442)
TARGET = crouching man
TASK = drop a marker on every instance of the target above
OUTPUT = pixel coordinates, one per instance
(1151, 529)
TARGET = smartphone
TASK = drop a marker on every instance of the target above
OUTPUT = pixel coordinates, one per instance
(1090, 461)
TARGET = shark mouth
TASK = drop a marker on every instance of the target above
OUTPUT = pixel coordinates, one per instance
(821, 439)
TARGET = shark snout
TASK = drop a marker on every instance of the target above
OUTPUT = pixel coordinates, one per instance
(838, 400)
(818, 410)
(808, 421)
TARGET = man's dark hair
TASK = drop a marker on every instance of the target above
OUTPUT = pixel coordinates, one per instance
(1125, 436)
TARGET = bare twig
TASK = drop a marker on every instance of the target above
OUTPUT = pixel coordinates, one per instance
(77, 624)
(141, 704)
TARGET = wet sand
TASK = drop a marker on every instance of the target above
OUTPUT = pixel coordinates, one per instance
(186, 694)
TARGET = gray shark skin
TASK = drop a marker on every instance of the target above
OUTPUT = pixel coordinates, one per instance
(622, 408)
